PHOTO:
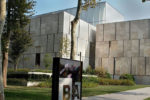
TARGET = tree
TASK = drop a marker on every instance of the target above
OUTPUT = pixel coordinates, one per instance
(20, 42)
(2, 21)
(47, 60)
(82, 4)
(18, 16)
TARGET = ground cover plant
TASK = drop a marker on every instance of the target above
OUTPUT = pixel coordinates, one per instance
(36, 93)
(147, 98)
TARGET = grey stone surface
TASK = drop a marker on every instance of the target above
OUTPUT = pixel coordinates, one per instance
(49, 24)
(147, 65)
(83, 30)
(131, 48)
(35, 26)
(138, 65)
(29, 61)
(57, 42)
(98, 62)
(50, 45)
(122, 31)
(108, 64)
(145, 47)
(102, 49)
(116, 49)
(109, 32)
(92, 33)
(123, 65)
(140, 29)
(99, 32)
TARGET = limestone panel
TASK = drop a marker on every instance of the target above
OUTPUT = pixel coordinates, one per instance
(122, 31)
(85, 62)
(29, 61)
(102, 49)
(35, 26)
(49, 24)
(92, 33)
(36, 41)
(138, 66)
(82, 46)
(140, 29)
(50, 45)
(109, 32)
(98, 62)
(145, 47)
(116, 49)
(57, 42)
(123, 65)
(108, 64)
(99, 32)
(61, 22)
(83, 30)
(131, 48)
(66, 26)
(147, 65)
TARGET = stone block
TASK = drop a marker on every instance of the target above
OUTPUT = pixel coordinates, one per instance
(116, 49)
(61, 22)
(99, 32)
(35, 26)
(83, 34)
(122, 31)
(109, 32)
(50, 45)
(82, 46)
(131, 48)
(147, 65)
(102, 49)
(138, 65)
(123, 65)
(92, 33)
(49, 24)
(143, 80)
(57, 42)
(145, 47)
(98, 62)
(140, 29)
(66, 25)
(108, 64)
(29, 61)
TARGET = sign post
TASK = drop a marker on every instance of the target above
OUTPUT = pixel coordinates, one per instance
(67, 79)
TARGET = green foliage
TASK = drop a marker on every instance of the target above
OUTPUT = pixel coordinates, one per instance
(15, 34)
(47, 60)
(64, 47)
(147, 98)
(127, 77)
(17, 82)
(46, 84)
(116, 82)
(89, 70)
(100, 72)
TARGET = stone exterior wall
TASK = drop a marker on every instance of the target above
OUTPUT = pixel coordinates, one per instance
(124, 47)
(47, 32)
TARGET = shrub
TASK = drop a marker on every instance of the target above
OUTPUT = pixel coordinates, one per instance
(127, 77)
(14, 81)
(47, 60)
(100, 72)
(115, 82)
(89, 82)
(46, 84)
(89, 70)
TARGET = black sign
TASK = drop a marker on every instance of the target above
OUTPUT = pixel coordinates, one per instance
(67, 79)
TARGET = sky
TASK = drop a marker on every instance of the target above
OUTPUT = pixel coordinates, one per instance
(130, 9)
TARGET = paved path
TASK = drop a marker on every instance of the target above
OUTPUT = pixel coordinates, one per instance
(138, 94)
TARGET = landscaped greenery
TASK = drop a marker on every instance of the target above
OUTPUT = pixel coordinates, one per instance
(35, 93)
(147, 98)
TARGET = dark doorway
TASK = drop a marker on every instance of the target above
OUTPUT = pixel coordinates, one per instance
(37, 60)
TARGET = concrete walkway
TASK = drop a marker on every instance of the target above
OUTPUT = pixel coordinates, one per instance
(138, 94)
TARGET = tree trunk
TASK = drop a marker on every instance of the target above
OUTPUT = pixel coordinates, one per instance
(5, 65)
(73, 29)
(16, 64)
(2, 21)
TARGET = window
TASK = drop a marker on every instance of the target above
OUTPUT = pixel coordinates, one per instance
(37, 60)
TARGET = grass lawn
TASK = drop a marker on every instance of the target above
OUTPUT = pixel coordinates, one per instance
(34, 93)
(148, 98)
